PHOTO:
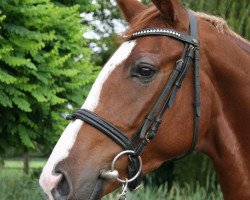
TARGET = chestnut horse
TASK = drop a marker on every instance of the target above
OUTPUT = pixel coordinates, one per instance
(126, 91)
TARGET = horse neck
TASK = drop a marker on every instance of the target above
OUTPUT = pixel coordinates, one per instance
(226, 138)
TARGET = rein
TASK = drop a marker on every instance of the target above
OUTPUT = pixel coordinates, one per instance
(149, 128)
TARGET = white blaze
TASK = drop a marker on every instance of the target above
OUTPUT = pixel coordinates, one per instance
(48, 179)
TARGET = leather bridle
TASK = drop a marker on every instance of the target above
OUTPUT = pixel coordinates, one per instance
(149, 127)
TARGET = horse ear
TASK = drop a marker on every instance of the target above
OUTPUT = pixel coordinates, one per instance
(171, 10)
(130, 8)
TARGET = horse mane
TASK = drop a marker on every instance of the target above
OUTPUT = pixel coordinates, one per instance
(144, 18)
(221, 25)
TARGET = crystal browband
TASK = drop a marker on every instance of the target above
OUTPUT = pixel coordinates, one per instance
(165, 32)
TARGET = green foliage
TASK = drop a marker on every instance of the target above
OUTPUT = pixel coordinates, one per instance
(197, 167)
(105, 22)
(45, 66)
(85, 5)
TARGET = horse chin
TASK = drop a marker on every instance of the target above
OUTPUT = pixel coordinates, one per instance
(92, 192)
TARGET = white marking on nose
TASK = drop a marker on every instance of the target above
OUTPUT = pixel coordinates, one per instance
(48, 179)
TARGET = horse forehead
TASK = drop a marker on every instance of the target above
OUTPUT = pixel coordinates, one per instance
(119, 56)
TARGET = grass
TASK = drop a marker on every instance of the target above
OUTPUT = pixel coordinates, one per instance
(14, 185)
(177, 192)
(188, 192)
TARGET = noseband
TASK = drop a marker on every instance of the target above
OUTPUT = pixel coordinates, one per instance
(148, 130)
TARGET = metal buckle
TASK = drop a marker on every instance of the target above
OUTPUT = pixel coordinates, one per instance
(146, 137)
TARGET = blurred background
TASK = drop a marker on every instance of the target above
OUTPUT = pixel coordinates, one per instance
(50, 54)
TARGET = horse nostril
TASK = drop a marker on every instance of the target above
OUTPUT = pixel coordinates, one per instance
(63, 189)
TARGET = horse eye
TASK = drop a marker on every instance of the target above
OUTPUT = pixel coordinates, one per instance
(145, 71)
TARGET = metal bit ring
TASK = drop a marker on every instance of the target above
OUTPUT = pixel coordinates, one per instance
(129, 152)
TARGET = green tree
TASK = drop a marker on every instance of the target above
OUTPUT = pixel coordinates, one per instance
(106, 23)
(45, 69)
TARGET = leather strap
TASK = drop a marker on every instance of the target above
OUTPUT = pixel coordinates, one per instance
(104, 126)
(165, 32)
(193, 26)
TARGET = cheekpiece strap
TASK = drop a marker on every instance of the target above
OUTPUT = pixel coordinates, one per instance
(193, 25)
